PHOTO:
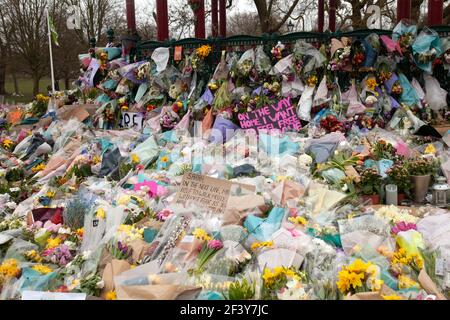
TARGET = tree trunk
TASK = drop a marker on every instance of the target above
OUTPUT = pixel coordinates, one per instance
(16, 83)
(36, 79)
(2, 78)
(263, 15)
(66, 83)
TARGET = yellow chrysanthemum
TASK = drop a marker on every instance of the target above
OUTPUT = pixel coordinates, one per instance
(201, 234)
(53, 243)
(42, 269)
(111, 295)
(203, 51)
(9, 268)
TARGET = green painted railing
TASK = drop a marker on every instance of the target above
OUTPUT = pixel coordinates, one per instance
(243, 42)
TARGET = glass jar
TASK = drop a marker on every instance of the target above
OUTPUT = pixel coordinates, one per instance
(440, 191)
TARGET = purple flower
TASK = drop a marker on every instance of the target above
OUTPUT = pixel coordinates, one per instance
(215, 244)
(122, 247)
(402, 226)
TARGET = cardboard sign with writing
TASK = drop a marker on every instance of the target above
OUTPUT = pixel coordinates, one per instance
(132, 120)
(280, 116)
(207, 192)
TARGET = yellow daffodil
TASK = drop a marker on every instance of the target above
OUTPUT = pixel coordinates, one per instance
(135, 159)
(33, 255)
(201, 234)
(111, 295)
(50, 194)
(265, 244)
(38, 168)
(96, 160)
(7, 143)
(42, 269)
(430, 149)
(101, 214)
(358, 266)
(298, 220)
(404, 282)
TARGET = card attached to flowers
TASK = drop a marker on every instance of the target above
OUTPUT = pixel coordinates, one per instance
(207, 192)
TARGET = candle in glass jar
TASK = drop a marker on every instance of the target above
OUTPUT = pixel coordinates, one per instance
(391, 194)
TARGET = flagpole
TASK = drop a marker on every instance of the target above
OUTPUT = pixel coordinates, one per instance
(51, 53)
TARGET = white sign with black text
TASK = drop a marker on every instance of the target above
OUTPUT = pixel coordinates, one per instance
(132, 120)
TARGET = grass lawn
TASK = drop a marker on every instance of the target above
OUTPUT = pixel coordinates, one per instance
(26, 89)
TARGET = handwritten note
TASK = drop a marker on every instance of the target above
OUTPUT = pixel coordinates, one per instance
(280, 116)
(132, 120)
(206, 192)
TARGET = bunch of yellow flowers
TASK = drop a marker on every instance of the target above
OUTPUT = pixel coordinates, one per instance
(204, 51)
(38, 168)
(371, 84)
(42, 98)
(201, 234)
(298, 220)
(271, 277)
(265, 244)
(42, 269)
(359, 276)
(9, 269)
(33, 255)
(402, 258)
(7, 143)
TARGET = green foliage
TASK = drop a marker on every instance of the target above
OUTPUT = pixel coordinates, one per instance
(383, 150)
(241, 290)
(370, 183)
(15, 175)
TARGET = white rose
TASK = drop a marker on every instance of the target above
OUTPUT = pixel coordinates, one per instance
(100, 284)
(86, 254)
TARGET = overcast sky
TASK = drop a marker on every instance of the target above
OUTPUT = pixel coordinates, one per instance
(244, 5)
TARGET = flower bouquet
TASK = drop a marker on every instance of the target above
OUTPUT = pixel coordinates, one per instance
(359, 276)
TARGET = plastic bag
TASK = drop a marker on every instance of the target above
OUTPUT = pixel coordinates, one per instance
(305, 104)
(262, 61)
(435, 96)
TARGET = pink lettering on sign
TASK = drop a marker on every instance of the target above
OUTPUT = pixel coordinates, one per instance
(280, 116)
